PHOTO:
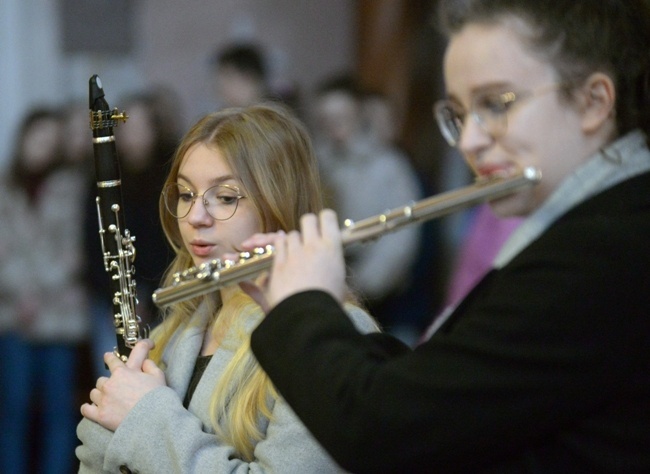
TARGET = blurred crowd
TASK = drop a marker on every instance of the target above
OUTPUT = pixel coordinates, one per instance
(56, 317)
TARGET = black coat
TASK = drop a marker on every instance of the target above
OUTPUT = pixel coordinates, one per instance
(544, 367)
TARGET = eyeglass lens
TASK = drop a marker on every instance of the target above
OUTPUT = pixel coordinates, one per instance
(449, 121)
(488, 111)
(220, 201)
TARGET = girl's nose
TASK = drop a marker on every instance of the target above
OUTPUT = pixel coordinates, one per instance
(198, 215)
(473, 137)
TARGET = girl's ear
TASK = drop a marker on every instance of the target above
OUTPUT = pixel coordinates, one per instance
(599, 100)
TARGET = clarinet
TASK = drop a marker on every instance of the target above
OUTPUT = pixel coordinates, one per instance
(118, 251)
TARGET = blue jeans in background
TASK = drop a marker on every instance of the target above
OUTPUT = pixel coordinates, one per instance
(37, 384)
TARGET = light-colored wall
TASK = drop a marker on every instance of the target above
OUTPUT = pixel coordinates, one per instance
(305, 40)
(29, 70)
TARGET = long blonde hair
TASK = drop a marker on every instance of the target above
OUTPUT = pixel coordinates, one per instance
(271, 154)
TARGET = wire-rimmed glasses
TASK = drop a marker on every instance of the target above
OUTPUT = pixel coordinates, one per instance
(220, 201)
(489, 110)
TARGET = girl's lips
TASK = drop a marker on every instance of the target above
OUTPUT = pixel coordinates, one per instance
(202, 250)
(489, 172)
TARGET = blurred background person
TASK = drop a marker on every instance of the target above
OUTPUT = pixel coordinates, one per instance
(410, 307)
(77, 142)
(144, 148)
(240, 74)
(242, 77)
(365, 176)
(378, 118)
(43, 316)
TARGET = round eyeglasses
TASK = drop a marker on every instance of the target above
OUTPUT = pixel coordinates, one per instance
(220, 201)
(489, 111)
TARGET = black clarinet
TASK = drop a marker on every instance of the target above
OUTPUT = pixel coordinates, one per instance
(117, 243)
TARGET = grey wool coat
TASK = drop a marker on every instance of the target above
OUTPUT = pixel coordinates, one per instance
(160, 435)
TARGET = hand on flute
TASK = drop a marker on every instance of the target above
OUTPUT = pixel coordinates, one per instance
(311, 259)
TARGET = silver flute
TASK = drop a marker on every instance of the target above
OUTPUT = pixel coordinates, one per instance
(211, 276)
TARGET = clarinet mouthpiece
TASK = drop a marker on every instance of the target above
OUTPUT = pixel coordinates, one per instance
(96, 93)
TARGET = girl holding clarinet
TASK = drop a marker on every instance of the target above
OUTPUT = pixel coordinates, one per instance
(193, 398)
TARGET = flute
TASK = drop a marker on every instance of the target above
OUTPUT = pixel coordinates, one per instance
(118, 251)
(216, 274)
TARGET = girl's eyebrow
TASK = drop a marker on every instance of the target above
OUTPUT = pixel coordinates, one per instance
(491, 87)
(213, 182)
